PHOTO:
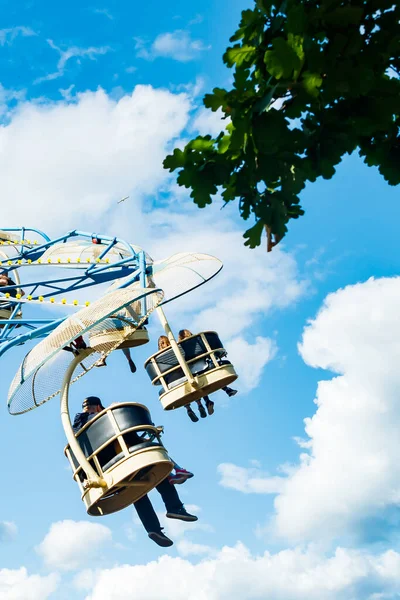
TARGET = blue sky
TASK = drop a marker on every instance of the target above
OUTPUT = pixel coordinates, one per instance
(87, 118)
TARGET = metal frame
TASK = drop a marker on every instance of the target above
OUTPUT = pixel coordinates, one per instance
(132, 267)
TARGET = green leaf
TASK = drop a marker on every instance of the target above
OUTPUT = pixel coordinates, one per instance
(215, 100)
(282, 61)
(239, 55)
(311, 83)
(202, 143)
(176, 160)
(271, 132)
(224, 143)
(253, 235)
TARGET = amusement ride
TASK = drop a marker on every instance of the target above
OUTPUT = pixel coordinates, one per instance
(118, 456)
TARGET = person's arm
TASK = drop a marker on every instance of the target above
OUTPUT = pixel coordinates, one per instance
(79, 421)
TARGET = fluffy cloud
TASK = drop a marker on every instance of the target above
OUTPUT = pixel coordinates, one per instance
(235, 573)
(352, 471)
(250, 359)
(70, 545)
(251, 284)
(16, 584)
(349, 472)
(177, 45)
(187, 548)
(248, 481)
(80, 158)
(207, 122)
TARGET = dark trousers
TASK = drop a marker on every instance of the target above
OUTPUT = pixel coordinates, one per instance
(146, 512)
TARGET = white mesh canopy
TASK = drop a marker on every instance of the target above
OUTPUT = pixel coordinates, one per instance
(40, 375)
(180, 273)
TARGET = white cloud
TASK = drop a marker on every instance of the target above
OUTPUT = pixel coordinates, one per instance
(7, 36)
(250, 359)
(16, 584)
(79, 158)
(70, 544)
(177, 45)
(251, 284)
(248, 480)
(187, 548)
(234, 573)
(348, 476)
(178, 530)
(66, 55)
(207, 122)
(8, 531)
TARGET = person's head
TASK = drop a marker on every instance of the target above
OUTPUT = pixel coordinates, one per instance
(183, 334)
(163, 342)
(92, 404)
(4, 279)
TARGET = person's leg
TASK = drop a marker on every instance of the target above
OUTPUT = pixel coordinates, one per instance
(191, 414)
(176, 466)
(169, 495)
(209, 405)
(181, 474)
(128, 357)
(173, 504)
(201, 408)
(147, 515)
(230, 391)
(102, 362)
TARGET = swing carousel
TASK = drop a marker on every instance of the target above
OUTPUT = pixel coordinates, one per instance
(118, 456)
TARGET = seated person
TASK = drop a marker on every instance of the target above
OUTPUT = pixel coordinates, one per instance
(128, 357)
(183, 334)
(163, 344)
(146, 513)
(5, 280)
(130, 313)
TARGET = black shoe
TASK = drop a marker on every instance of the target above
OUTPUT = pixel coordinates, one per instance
(182, 515)
(159, 538)
(230, 391)
(132, 366)
(210, 407)
(202, 411)
(192, 415)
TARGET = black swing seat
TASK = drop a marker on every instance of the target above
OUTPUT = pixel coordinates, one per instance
(124, 448)
(204, 355)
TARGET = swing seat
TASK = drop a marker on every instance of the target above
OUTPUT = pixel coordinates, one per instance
(101, 340)
(124, 448)
(204, 355)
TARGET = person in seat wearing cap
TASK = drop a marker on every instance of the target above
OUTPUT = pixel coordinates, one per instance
(91, 406)
(175, 509)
